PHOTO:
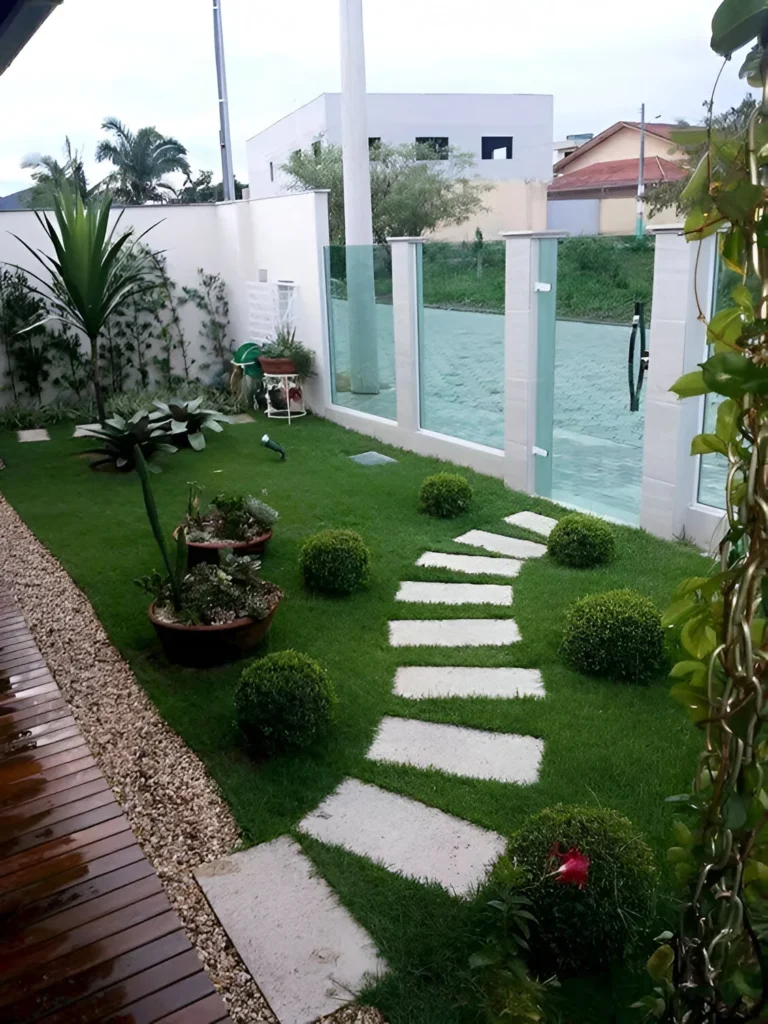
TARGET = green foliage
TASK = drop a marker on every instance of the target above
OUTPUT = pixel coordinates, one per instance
(445, 495)
(617, 635)
(581, 541)
(177, 571)
(211, 299)
(335, 562)
(285, 346)
(238, 517)
(140, 159)
(283, 701)
(202, 190)
(23, 336)
(50, 177)
(601, 278)
(186, 421)
(736, 23)
(122, 437)
(584, 929)
(409, 194)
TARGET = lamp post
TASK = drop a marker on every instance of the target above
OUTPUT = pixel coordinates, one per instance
(225, 140)
(639, 225)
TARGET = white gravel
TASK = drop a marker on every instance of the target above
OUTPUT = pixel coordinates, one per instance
(175, 810)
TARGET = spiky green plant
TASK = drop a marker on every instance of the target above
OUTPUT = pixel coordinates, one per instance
(176, 572)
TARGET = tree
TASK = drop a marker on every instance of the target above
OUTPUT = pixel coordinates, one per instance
(141, 160)
(202, 190)
(692, 141)
(411, 191)
(49, 176)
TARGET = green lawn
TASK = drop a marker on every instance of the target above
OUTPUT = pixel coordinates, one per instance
(619, 746)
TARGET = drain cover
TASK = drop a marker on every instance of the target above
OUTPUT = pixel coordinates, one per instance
(371, 459)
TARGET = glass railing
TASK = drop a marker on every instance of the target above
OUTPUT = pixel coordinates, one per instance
(461, 340)
(360, 328)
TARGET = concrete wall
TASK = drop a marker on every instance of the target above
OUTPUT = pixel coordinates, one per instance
(623, 145)
(511, 206)
(576, 216)
(297, 130)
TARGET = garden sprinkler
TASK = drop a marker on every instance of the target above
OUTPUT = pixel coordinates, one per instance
(274, 446)
(636, 386)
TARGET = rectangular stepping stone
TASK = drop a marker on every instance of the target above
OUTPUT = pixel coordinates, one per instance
(306, 953)
(422, 682)
(371, 459)
(238, 418)
(532, 521)
(453, 632)
(84, 429)
(455, 593)
(472, 753)
(33, 435)
(479, 564)
(502, 545)
(406, 836)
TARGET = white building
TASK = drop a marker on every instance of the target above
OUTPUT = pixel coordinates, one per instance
(510, 135)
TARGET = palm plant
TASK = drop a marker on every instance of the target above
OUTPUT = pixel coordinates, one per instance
(141, 159)
(93, 271)
(50, 176)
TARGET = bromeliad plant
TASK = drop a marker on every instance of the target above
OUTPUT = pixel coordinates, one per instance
(187, 420)
(122, 438)
(714, 969)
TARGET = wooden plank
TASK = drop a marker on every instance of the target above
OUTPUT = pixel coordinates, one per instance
(25, 816)
(55, 743)
(39, 684)
(23, 711)
(29, 765)
(33, 868)
(77, 823)
(25, 741)
(180, 996)
(207, 1011)
(18, 724)
(14, 683)
(92, 796)
(58, 781)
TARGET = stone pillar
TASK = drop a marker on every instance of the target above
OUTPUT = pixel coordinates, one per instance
(405, 315)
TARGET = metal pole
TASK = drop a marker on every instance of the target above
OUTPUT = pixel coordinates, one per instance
(358, 218)
(225, 140)
(639, 226)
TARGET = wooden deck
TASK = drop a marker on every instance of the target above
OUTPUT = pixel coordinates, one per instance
(86, 931)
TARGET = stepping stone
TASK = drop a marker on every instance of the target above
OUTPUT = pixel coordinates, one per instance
(84, 429)
(371, 459)
(455, 593)
(532, 521)
(33, 435)
(307, 953)
(471, 563)
(472, 753)
(502, 545)
(238, 418)
(453, 632)
(422, 682)
(406, 836)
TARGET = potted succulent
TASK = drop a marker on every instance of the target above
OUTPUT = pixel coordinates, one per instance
(235, 522)
(286, 355)
(205, 614)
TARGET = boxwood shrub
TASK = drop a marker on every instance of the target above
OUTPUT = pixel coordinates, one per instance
(284, 700)
(617, 635)
(581, 541)
(335, 562)
(445, 495)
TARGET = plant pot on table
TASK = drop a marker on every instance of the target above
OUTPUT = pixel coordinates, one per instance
(277, 365)
(197, 646)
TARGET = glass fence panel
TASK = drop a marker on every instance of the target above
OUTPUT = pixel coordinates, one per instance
(360, 328)
(461, 339)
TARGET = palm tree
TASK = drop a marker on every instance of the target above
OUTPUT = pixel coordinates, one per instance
(141, 159)
(49, 176)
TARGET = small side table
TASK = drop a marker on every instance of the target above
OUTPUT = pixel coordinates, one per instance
(289, 382)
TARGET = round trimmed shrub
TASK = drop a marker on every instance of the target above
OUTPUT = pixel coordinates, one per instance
(617, 635)
(284, 700)
(335, 562)
(445, 495)
(581, 541)
(584, 929)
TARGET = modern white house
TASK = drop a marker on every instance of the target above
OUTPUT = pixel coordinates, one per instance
(509, 134)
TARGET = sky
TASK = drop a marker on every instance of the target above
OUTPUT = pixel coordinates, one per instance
(96, 58)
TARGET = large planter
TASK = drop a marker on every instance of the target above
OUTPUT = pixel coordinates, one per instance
(208, 551)
(277, 365)
(197, 646)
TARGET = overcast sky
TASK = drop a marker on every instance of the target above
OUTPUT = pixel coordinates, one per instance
(153, 64)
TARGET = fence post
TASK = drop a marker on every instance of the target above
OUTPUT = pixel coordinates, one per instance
(405, 302)
(683, 272)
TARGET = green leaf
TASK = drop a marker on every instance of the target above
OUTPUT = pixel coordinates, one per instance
(695, 704)
(738, 202)
(704, 444)
(735, 811)
(701, 223)
(688, 670)
(733, 375)
(728, 416)
(750, 69)
(697, 635)
(660, 963)
(736, 23)
(679, 611)
(197, 441)
(742, 296)
(733, 249)
(683, 834)
(690, 385)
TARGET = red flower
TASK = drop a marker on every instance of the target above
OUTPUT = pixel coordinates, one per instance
(574, 866)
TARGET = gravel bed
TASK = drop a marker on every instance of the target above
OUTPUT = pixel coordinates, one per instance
(175, 810)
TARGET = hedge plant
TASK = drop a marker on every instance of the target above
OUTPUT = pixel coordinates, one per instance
(335, 562)
(581, 541)
(445, 495)
(284, 700)
(617, 634)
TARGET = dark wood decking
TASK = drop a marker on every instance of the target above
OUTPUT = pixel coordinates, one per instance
(86, 931)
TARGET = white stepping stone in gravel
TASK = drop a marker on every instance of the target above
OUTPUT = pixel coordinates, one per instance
(502, 545)
(455, 593)
(307, 953)
(422, 682)
(406, 836)
(33, 435)
(473, 564)
(453, 632)
(532, 521)
(472, 753)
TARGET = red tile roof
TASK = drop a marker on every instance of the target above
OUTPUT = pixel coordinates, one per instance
(663, 131)
(617, 174)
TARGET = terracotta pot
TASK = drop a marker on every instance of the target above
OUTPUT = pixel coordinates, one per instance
(208, 551)
(196, 646)
(277, 365)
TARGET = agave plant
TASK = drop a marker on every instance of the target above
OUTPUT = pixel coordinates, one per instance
(122, 437)
(186, 420)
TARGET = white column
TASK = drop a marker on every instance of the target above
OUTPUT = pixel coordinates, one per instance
(406, 329)
(677, 345)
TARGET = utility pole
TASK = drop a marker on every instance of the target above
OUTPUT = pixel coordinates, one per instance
(225, 139)
(639, 225)
(358, 217)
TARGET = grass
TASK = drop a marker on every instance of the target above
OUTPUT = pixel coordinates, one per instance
(620, 746)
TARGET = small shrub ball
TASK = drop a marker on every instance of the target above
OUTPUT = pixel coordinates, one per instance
(283, 701)
(445, 495)
(617, 635)
(335, 562)
(581, 541)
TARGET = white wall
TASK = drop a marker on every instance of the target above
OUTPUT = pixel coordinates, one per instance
(298, 130)
(510, 206)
